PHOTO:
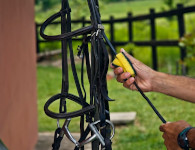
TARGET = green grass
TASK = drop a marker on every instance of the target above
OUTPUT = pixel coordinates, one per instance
(120, 9)
(144, 134)
(116, 9)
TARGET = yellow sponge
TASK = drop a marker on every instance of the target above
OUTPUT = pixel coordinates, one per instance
(121, 60)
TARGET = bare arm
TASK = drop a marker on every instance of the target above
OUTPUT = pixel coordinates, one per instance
(150, 80)
(177, 86)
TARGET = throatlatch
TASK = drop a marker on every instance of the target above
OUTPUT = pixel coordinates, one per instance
(96, 111)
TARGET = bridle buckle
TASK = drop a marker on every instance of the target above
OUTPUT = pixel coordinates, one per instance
(96, 135)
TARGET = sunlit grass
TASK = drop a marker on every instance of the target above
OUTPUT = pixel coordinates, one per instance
(144, 134)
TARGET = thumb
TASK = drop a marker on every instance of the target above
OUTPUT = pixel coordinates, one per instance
(162, 128)
(131, 58)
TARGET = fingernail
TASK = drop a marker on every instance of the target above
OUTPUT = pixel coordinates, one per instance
(120, 69)
(132, 79)
(127, 74)
(122, 50)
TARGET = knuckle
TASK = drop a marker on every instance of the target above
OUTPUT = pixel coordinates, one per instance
(119, 79)
(115, 72)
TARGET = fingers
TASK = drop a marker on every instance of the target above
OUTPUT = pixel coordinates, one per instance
(122, 77)
(118, 71)
(129, 83)
(163, 127)
(111, 66)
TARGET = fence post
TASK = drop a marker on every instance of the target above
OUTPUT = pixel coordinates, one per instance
(112, 29)
(112, 34)
(130, 27)
(83, 21)
(181, 26)
(153, 38)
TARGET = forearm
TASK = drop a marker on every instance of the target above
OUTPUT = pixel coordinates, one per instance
(176, 86)
(191, 138)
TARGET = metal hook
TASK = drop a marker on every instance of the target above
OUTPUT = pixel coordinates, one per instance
(68, 134)
(92, 126)
(94, 33)
(96, 134)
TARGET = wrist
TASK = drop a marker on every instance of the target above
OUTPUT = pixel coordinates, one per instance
(191, 137)
(182, 138)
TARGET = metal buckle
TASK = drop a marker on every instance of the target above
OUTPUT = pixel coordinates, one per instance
(67, 132)
(92, 126)
(96, 134)
(80, 54)
(100, 27)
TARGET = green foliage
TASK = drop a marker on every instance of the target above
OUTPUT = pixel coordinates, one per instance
(185, 1)
(46, 4)
(111, 1)
(46, 8)
(188, 42)
(130, 47)
(79, 8)
(169, 3)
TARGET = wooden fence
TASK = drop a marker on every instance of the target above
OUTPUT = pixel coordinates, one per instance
(130, 19)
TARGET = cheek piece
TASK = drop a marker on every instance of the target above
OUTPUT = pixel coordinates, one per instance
(123, 61)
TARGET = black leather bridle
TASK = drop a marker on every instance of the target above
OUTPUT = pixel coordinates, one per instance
(96, 112)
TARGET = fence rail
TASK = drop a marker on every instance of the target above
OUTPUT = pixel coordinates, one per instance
(130, 19)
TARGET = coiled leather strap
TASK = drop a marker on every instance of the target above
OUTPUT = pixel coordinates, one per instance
(88, 108)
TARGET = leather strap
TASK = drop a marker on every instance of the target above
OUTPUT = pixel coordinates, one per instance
(98, 109)
(88, 108)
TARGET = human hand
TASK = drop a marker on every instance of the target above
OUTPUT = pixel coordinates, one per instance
(143, 78)
(171, 132)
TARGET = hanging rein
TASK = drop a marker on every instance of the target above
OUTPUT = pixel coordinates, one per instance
(96, 112)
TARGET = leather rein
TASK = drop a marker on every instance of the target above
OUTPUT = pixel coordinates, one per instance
(95, 112)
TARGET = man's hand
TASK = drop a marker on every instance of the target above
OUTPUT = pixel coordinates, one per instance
(171, 132)
(143, 78)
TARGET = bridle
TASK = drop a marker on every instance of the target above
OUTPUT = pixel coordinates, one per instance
(96, 112)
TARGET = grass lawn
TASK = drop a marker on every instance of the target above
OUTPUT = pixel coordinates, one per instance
(144, 134)
(120, 9)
